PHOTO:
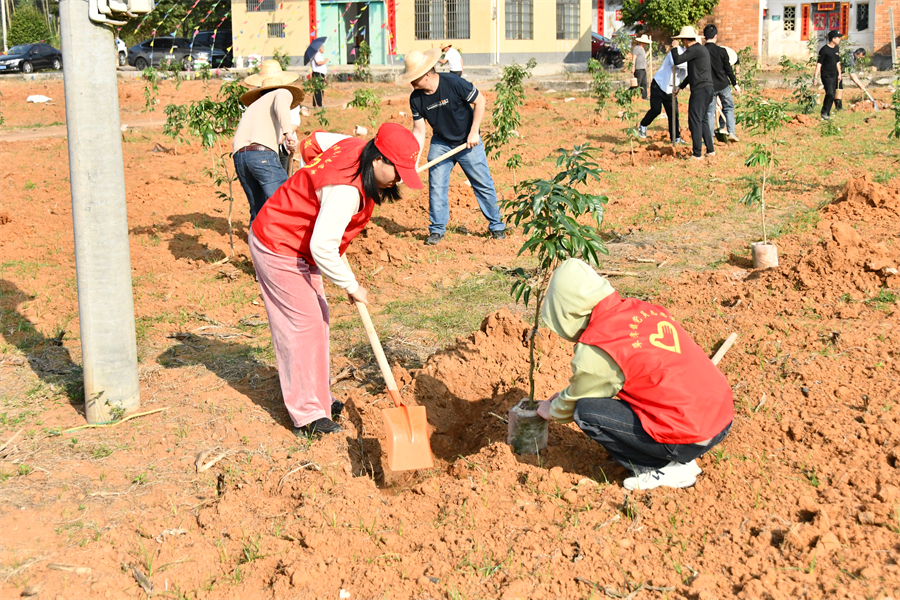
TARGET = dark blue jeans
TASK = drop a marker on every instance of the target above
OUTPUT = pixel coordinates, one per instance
(474, 164)
(615, 426)
(260, 173)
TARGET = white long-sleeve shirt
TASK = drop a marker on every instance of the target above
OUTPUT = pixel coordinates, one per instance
(663, 77)
(337, 205)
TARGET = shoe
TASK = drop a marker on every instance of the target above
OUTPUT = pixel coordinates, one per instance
(680, 141)
(317, 428)
(733, 138)
(498, 235)
(710, 154)
(673, 475)
(336, 407)
(642, 132)
(692, 466)
(434, 239)
(696, 157)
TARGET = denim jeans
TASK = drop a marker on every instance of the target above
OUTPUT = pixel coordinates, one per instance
(260, 173)
(615, 426)
(474, 164)
(727, 110)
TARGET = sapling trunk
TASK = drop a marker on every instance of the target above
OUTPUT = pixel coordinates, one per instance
(230, 205)
(532, 341)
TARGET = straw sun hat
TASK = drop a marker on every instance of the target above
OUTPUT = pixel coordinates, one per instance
(643, 39)
(271, 77)
(418, 63)
(687, 32)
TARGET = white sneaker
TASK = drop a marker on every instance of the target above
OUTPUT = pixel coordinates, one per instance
(673, 475)
(642, 132)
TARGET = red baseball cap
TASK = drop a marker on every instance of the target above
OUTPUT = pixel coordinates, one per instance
(400, 146)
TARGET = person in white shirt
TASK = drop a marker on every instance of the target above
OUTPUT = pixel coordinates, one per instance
(453, 58)
(661, 96)
(319, 69)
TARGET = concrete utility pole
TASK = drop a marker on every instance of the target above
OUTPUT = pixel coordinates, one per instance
(3, 20)
(97, 176)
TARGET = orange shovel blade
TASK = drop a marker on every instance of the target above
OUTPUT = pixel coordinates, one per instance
(408, 446)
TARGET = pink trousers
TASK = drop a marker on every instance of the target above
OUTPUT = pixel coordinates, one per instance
(295, 302)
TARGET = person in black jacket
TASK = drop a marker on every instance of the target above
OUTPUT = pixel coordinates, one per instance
(700, 79)
(723, 78)
(828, 66)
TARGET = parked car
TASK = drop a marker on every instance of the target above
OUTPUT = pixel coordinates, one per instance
(175, 49)
(222, 41)
(121, 52)
(28, 58)
(604, 51)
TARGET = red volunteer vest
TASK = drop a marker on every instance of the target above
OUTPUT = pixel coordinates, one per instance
(309, 147)
(285, 223)
(678, 394)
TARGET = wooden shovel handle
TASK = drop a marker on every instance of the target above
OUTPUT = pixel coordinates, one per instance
(448, 154)
(723, 348)
(377, 349)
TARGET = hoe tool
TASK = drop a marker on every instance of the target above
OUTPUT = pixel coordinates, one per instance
(408, 447)
(447, 154)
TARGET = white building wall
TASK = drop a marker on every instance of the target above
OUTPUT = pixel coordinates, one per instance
(777, 42)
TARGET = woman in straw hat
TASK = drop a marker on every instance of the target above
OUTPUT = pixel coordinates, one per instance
(445, 101)
(265, 125)
(639, 58)
(700, 79)
(299, 235)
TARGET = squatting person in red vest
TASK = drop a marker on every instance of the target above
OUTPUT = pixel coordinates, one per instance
(300, 234)
(640, 386)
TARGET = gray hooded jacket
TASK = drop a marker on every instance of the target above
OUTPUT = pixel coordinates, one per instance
(574, 290)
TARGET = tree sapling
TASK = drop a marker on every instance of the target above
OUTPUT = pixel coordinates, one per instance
(548, 210)
(763, 118)
(505, 118)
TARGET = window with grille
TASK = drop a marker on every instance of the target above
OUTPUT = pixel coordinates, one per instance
(260, 5)
(790, 18)
(519, 20)
(862, 16)
(567, 23)
(442, 19)
(276, 30)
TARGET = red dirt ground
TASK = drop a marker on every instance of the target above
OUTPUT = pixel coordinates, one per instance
(802, 500)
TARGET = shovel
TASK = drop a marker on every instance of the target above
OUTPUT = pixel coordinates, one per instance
(443, 156)
(856, 80)
(408, 447)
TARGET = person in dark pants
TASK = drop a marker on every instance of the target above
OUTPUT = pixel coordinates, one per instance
(264, 129)
(640, 386)
(700, 79)
(639, 58)
(661, 97)
(723, 79)
(828, 66)
(319, 70)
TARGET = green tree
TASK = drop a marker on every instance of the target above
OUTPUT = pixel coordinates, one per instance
(27, 26)
(505, 118)
(548, 210)
(363, 68)
(668, 15)
(601, 84)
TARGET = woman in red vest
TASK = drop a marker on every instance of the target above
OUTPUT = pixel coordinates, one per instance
(640, 386)
(300, 234)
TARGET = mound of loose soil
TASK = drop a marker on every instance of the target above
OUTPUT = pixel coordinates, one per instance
(802, 120)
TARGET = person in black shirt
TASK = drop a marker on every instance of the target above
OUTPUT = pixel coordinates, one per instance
(723, 78)
(445, 101)
(700, 79)
(828, 66)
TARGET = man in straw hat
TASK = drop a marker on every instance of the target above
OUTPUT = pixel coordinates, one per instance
(639, 58)
(661, 97)
(266, 124)
(700, 79)
(453, 58)
(723, 78)
(445, 101)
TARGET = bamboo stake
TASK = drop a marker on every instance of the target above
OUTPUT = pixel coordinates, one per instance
(119, 422)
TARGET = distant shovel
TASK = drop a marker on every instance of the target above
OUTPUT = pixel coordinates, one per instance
(408, 447)
(856, 80)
